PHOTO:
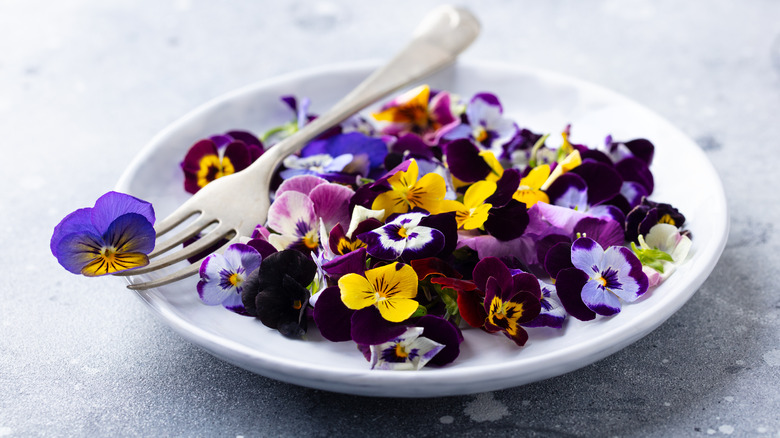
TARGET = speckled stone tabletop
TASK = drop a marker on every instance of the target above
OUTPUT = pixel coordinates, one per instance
(84, 84)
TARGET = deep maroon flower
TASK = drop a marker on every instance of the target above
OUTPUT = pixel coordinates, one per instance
(218, 156)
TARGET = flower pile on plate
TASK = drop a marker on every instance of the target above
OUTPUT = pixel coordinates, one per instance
(434, 214)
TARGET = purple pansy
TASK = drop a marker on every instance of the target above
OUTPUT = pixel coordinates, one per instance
(404, 238)
(114, 235)
(587, 188)
(605, 278)
(223, 276)
(485, 124)
(409, 351)
(218, 156)
(301, 203)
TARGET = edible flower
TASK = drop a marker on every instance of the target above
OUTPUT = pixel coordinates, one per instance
(278, 296)
(661, 251)
(600, 279)
(486, 124)
(391, 288)
(410, 351)
(473, 211)
(530, 190)
(407, 192)
(218, 156)
(405, 238)
(223, 276)
(115, 235)
(415, 111)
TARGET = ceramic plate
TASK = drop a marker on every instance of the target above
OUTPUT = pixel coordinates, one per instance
(539, 100)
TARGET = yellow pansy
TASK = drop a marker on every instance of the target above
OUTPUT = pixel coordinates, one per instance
(529, 192)
(391, 288)
(407, 192)
(473, 211)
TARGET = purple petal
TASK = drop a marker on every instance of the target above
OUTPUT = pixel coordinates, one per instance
(331, 203)
(600, 300)
(605, 232)
(368, 327)
(77, 222)
(350, 263)
(238, 154)
(332, 317)
(464, 161)
(114, 204)
(558, 258)
(587, 255)
(422, 242)
(633, 192)
(633, 280)
(239, 255)
(302, 184)
(130, 232)
(263, 247)
(292, 214)
(506, 186)
(636, 170)
(492, 267)
(552, 219)
(569, 283)
(642, 149)
(414, 146)
(448, 226)
(444, 332)
(209, 287)
(603, 181)
(525, 282)
(569, 190)
(507, 222)
(76, 250)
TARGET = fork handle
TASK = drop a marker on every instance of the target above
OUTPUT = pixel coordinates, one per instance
(443, 34)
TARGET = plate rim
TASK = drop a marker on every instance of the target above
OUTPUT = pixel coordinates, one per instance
(496, 375)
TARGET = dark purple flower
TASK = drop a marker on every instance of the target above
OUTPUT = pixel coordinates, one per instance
(277, 295)
(218, 156)
(648, 213)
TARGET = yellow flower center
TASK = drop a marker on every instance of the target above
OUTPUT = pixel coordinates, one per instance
(235, 279)
(400, 351)
(402, 232)
(213, 167)
(666, 219)
(602, 280)
(297, 304)
(311, 239)
(480, 134)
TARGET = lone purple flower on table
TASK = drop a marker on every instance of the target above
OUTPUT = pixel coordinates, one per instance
(114, 235)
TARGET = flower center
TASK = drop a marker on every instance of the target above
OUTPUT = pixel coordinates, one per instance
(602, 281)
(311, 240)
(402, 232)
(666, 219)
(400, 351)
(480, 134)
(235, 279)
(297, 304)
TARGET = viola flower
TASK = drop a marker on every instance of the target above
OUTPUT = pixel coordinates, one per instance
(486, 124)
(609, 276)
(278, 295)
(218, 156)
(114, 235)
(552, 313)
(644, 216)
(530, 190)
(391, 289)
(301, 203)
(404, 238)
(473, 211)
(510, 300)
(407, 192)
(661, 250)
(416, 112)
(223, 276)
(410, 351)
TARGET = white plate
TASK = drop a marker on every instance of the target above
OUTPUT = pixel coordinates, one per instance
(539, 100)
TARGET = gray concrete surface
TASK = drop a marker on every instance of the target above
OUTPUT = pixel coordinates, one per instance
(85, 83)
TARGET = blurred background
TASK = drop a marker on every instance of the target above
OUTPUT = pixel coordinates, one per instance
(84, 84)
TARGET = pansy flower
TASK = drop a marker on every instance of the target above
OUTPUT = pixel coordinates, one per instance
(647, 214)
(390, 288)
(417, 112)
(473, 211)
(661, 250)
(485, 124)
(223, 276)
(114, 235)
(529, 192)
(218, 156)
(600, 279)
(278, 295)
(407, 192)
(510, 300)
(301, 203)
(409, 351)
(404, 238)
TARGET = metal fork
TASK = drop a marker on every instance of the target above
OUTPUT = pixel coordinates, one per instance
(233, 205)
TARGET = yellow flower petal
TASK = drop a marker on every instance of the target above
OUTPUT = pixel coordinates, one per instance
(495, 166)
(397, 310)
(428, 193)
(531, 197)
(356, 291)
(108, 262)
(410, 107)
(391, 202)
(393, 281)
(570, 162)
(536, 177)
(476, 217)
(478, 193)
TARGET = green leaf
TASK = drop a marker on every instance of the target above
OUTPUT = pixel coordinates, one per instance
(652, 258)
(421, 311)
